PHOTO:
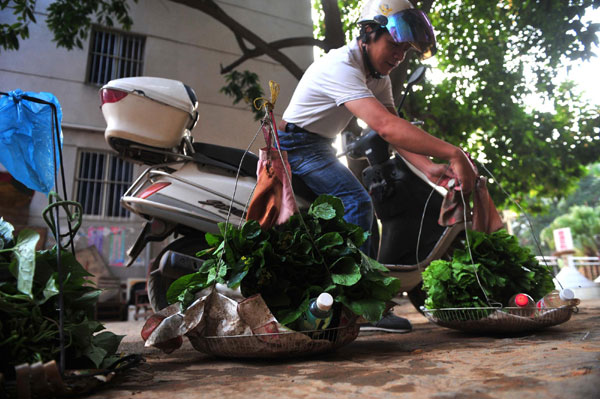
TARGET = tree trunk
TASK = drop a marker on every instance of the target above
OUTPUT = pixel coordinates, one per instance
(334, 31)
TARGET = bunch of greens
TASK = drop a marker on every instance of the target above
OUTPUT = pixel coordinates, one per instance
(29, 287)
(503, 267)
(292, 263)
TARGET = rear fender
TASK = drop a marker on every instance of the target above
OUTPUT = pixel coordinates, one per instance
(153, 230)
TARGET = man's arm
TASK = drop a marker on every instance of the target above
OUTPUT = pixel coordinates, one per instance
(404, 136)
(434, 172)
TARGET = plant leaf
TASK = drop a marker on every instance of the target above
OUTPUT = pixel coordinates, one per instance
(327, 207)
(108, 341)
(329, 240)
(345, 271)
(95, 353)
(24, 251)
(50, 290)
(6, 233)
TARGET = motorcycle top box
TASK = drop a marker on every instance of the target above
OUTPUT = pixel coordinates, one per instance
(148, 114)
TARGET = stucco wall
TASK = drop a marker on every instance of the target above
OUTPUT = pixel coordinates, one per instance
(182, 44)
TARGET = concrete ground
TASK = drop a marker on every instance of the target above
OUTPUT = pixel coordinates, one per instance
(430, 362)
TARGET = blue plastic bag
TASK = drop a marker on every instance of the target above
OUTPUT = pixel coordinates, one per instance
(26, 131)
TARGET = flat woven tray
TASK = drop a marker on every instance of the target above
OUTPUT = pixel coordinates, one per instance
(274, 345)
(496, 320)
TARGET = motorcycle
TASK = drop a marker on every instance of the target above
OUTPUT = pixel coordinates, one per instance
(189, 187)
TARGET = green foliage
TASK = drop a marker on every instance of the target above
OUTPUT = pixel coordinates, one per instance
(69, 20)
(244, 86)
(349, 13)
(6, 234)
(494, 57)
(584, 222)
(501, 266)
(290, 264)
(29, 291)
(24, 254)
(586, 194)
(23, 12)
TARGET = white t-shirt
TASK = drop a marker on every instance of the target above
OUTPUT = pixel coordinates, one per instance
(337, 77)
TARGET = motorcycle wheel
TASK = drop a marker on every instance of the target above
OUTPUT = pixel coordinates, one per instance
(158, 284)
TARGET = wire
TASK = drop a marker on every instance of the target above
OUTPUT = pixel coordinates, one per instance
(423, 215)
(538, 246)
(471, 254)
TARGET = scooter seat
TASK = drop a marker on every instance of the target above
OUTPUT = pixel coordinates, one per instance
(226, 157)
(229, 158)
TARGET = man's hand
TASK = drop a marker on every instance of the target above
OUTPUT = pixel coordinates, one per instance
(439, 174)
(464, 170)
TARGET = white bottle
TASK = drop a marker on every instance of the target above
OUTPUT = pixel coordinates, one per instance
(556, 299)
(521, 305)
(318, 315)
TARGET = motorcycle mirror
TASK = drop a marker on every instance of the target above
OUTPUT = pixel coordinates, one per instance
(417, 76)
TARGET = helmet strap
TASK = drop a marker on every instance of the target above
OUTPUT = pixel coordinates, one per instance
(368, 63)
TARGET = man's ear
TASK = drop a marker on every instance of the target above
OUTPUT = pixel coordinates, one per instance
(366, 36)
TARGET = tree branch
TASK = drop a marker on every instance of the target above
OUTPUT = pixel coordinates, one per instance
(211, 8)
(241, 43)
(278, 44)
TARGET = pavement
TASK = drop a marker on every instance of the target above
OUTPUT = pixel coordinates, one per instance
(430, 362)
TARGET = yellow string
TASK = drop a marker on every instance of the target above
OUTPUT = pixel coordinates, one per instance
(268, 105)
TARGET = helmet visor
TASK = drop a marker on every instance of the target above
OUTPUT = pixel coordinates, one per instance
(414, 27)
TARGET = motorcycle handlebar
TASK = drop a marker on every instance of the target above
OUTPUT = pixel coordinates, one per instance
(369, 144)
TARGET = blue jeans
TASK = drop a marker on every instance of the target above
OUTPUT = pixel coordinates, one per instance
(312, 158)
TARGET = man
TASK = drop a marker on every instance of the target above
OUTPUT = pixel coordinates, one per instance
(353, 81)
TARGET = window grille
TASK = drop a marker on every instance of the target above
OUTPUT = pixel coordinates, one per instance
(101, 181)
(114, 55)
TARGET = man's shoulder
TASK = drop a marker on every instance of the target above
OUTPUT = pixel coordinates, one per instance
(338, 63)
(346, 55)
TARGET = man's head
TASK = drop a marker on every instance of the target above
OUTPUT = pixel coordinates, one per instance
(388, 29)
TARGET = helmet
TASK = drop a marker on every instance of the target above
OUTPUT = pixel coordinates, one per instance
(404, 23)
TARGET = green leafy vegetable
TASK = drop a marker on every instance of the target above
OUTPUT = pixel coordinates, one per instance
(503, 267)
(29, 290)
(294, 262)
(6, 234)
(24, 251)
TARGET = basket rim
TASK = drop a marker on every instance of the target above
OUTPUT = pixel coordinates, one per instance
(498, 308)
(325, 330)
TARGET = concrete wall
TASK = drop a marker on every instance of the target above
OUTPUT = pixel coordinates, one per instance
(182, 44)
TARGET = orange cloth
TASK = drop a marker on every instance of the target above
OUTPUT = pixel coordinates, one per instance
(484, 215)
(273, 200)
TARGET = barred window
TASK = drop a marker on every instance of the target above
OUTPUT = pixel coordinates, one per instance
(114, 55)
(101, 180)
